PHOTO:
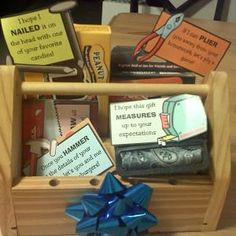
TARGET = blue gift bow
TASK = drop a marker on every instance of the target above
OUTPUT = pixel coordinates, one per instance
(115, 210)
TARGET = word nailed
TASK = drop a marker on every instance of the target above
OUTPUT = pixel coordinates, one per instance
(25, 30)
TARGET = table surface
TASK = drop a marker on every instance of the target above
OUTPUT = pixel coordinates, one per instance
(129, 28)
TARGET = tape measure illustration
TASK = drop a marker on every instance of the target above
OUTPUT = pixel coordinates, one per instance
(182, 116)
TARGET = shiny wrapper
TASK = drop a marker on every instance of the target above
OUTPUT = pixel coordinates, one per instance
(154, 159)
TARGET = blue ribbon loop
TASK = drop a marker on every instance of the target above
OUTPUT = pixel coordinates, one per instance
(115, 210)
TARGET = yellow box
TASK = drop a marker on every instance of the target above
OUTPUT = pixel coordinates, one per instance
(95, 44)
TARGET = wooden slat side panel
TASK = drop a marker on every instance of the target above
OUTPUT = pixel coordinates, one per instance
(72, 182)
(8, 92)
(41, 212)
(217, 106)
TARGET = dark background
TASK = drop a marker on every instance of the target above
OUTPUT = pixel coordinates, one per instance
(86, 11)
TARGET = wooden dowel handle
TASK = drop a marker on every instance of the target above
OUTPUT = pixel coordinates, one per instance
(62, 88)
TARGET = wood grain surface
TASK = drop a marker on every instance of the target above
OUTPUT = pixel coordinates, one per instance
(8, 136)
(127, 29)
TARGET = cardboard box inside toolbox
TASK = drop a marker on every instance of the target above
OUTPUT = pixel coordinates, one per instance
(36, 205)
(95, 45)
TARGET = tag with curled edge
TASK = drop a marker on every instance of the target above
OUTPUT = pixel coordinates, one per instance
(79, 152)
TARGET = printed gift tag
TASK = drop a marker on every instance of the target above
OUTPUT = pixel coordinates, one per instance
(157, 120)
(37, 38)
(182, 43)
(80, 152)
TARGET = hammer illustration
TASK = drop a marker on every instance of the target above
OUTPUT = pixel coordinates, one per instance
(36, 147)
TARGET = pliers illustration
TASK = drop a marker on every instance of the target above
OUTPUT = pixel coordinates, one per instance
(172, 23)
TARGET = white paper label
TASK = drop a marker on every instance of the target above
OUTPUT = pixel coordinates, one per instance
(157, 120)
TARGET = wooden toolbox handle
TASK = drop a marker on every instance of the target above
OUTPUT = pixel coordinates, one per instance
(63, 88)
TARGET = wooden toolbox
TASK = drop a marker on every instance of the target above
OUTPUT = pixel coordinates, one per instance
(35, 205)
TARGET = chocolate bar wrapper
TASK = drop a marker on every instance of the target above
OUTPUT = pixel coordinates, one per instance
(153, 159)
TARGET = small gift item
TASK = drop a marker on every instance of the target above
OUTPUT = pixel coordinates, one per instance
(184, 157)
(114, 210)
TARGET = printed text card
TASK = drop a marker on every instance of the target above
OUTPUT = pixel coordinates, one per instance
(190, 47)
(79, 154)
(36, 38)
(157, 120)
